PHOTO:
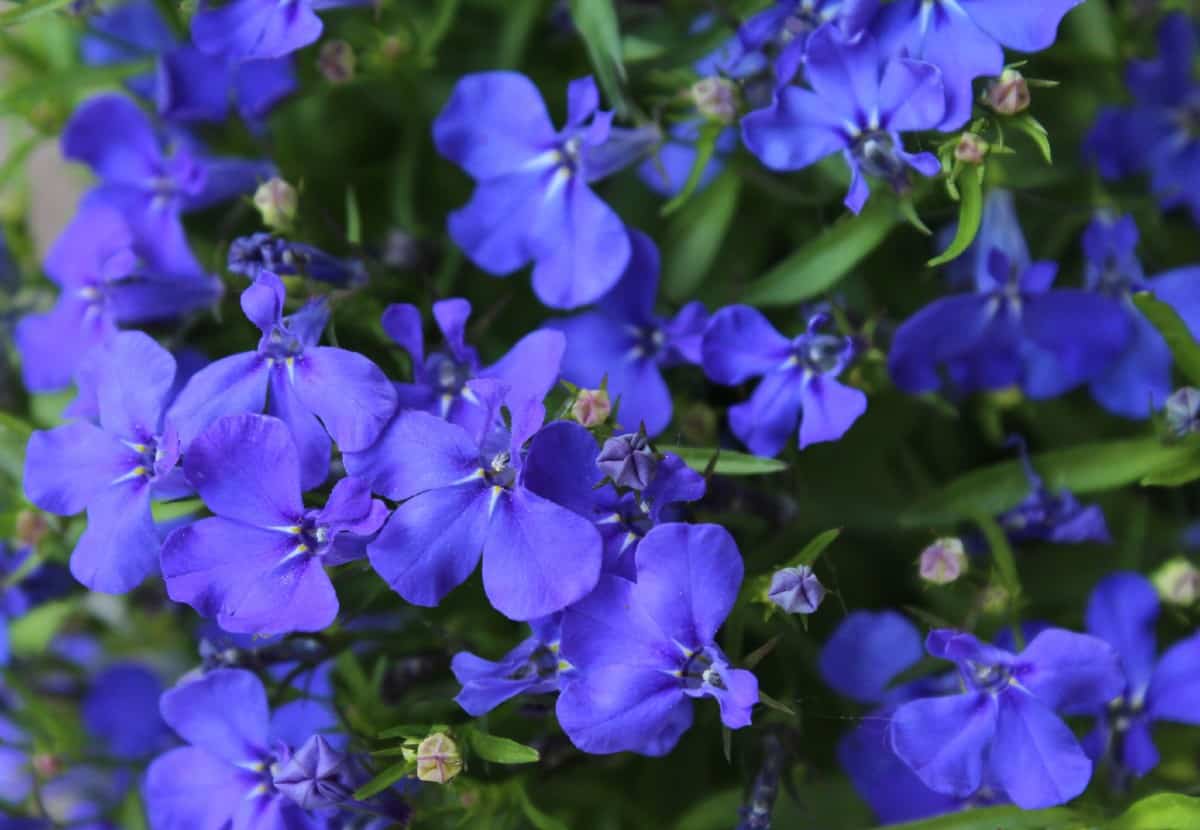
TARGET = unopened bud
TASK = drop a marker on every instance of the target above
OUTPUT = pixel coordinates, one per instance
(716, 98)
(970, 149)
(317, 776)
(796, 590)
(592, 407)
(336, 61)
(31, 528)
(1182, 411)
(994, 599)
(1177, 582)
(943, 562)
(1009, 94)
(45, 764)
(438, 759)
(277, 202)
(628, 460)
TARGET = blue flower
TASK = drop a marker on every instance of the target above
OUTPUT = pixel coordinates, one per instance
(1049, 516)
(624, 340)
(858, 105)
(1004, 720)
(258, 566)
(642, 651)
(1139, 381)
(465, 498)
(253, 30)
(114, 468)
(348, 393)
(533, 199)
(532, 668)
(799, 379)
(965, 39)
(259, 252)
(1123, 610)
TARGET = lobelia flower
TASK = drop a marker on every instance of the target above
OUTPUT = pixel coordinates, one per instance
(113, 468)
(1139, 380)
(151, 182)
(966, 39)
(532, 668)
(533, 200)
(563, 466)
(186, 85)
(258, 566)
(799, 379)
(1051, 516)
(235, 745)
(643, 650)
(107, 279)
(624, 341)
(1123, 610)
(261, 252)
(317, 776)
(465, 498)
(796, 590)
(113, 693)
(251, 30)
(1004, 720)
(858, 105)
(628, 461)
(349, 394)
(1181, 412)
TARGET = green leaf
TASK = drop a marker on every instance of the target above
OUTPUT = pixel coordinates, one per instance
(30, 10)
(500, 750)
(597, 23)
(1002, 555)
(695, 234)
(1087, 468)
(31, 634)
(1033, 128)
(811, 552)
(14, 435)
(729, 463)
(1170, 325)
(820, 264)
(1178, 476)
(706, 145)
(970, 215)
(383, 780)
(405, 730)
(1165, 811)
(998, 818)
(353, 219)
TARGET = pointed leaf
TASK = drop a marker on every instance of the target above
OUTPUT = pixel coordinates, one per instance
(729, 463)
(1170, 325)
(970, 215)
(597, 23)
(501, 750)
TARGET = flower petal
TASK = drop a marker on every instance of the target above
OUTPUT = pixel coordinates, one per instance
(1035, 757)
(944, 740)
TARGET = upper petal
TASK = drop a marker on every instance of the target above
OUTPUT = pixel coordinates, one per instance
(350, 394)
(1175, 685)
(224, 712)
(416, 452)
(1068, 670)
(228, 386)
(1025, 27)
(798, 129)
(110, 134)
(739, 343)
(1123, 610)
(866, 651)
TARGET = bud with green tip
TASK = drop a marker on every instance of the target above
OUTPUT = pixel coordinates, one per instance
(591, 407)
(716, 99)
(971, 149)
(943, 562)
(438, 759)
(1009, 94)
(277, 202)
(1177, 582)
(336, 61)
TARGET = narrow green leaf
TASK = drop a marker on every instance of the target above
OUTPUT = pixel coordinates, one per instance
(811, 552)
(1178, 476)
(1170, 325)
(383, 780)
(998, 818)
(1033, 128)
(1002, 556)
(729, 463)
(31, 634)
(501, 750)
(405, 730)
(29, 10)
(819, 265)
(695, 234)
(14, 435)
(1087, 468)
(970, 215)
(353, 218)
(706, 145)
(1165, 811)
(597, 23)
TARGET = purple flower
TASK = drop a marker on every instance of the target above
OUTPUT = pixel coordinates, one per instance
(113, 468)
(348, 393)
(858, 105)
(799, 379)
(258, 566)
(253, 30)
(113, 693)
(642, 650)
(624, 340)
(152, 181)
(1123, 610)
(465, 497)
(796, 590)
(532, 198)
(1052, 516)
(667, 171)
(317, 776)
(108, 279)
(1139, 380)
(628, 461)
(224, 774)
(1004, 721)
(532, 668)
(965, 39)
(254, 254)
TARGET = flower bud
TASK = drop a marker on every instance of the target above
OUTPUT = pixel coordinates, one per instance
(592, 407)
(994, 599)
(276, 201)
(970, 149)
(45, 764)
(31, 528)
(1009, 94)
(1177, 582)
(336, 61)
(796, 590)
(316, 776)
(716, 99)
(438, 759)
(1182, 411)
(627, 460)
(943, 562)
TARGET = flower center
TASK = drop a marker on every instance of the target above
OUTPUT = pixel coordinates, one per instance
(988, 678)
(500, 472)
(875, 151)
(822, 353)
